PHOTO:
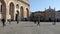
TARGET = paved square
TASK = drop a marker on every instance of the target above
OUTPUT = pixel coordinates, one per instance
(30, 28)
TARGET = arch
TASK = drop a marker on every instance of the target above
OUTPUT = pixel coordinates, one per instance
(27, 12)
(0, 8)
(17, 6)
(3, 8)
(22, 12)
(11, 10)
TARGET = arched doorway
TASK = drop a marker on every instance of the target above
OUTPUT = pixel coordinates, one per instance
(27, 12)
(3, 8)
(22, 12)
(11, 10)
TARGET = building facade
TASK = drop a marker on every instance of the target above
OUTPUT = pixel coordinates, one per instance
(47, 15)
(57, 15)
(11, 7)
(39, 14)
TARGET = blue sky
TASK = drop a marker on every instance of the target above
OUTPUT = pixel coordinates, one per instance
(40, 5)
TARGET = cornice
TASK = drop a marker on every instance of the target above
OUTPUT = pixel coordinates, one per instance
(24, 2)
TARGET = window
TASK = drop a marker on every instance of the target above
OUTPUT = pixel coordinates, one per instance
(0, 8)
(17, 6)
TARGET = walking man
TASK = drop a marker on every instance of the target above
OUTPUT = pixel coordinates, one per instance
(3, 21)
(38, 20)
(17, 15)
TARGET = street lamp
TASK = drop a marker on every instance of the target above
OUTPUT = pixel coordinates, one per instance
(54, 18)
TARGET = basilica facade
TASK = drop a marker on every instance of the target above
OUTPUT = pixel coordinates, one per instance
(9, 8)
(47, 14)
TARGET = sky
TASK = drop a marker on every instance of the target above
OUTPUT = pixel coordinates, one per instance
(40, 5)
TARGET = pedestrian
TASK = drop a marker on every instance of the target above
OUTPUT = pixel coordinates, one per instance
(3, 21)
(34, 19)
(38, 20)
(9, 19)
(17, 19)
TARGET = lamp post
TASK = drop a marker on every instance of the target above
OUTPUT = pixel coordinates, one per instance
(54, 18)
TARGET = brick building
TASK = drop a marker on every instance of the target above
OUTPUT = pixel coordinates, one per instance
(47, 14)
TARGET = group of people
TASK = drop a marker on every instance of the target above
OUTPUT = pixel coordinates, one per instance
(36, 20)
(9, 20)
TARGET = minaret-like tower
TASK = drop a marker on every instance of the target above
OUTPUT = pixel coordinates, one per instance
(49, 7)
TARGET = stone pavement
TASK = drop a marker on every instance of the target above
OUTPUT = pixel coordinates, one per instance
(30, 28)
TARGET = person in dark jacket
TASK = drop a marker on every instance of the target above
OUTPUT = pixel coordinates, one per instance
(17, 17)
(3, 21)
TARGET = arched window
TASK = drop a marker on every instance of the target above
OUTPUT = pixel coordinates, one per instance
(3, 8)
(11, 10)
(22, 12)
(17, 6)
(27, 12)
